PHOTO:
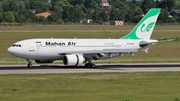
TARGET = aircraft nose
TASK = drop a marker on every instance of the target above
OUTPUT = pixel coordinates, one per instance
(13, 51)
(10, 50)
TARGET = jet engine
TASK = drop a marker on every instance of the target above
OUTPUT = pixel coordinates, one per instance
(43, 61)
(73, 60)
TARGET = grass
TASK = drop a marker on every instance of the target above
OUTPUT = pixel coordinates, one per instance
(79, 27)
(161, 86)
(162, 52)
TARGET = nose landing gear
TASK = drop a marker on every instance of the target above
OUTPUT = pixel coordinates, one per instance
(29, 63)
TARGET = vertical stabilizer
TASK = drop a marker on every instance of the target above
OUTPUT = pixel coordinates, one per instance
(144, 28)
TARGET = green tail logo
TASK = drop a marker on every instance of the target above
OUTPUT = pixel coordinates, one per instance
(143, 30)
(148, 28)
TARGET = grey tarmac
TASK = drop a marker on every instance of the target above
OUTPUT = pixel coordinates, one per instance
(54, 68)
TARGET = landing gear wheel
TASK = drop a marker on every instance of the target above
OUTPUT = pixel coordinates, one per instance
(93, 65)
(86, 65)
(29, 65)
(90, 65)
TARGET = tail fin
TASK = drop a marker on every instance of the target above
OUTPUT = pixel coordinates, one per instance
(144, 28)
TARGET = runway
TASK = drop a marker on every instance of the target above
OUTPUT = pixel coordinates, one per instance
(45, 69)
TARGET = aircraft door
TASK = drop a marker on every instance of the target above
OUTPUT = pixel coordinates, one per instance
(32, 51)
(31, 47)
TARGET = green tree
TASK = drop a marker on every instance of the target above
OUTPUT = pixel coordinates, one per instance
(61, 10)
(74, 10)
(1, 17)
(91, 4)
(77, 2)
(119, 4)
(116, 14)
(24, 16)
(103, 16)
(94, 5)
(167, 4)
(41, 19)
(95, 15)
(66, 15)
(113, 14)
(178, 19)
(17, 17)
(163, 17)
(157, 3)
(10, 5)
(147, 4)
(122, 15)
(171, 20)
(54, 17)
(1, 9)
(8, 17)
(74, 14)
(177, 4)
(77, 14)
(138, 11)
(134, 14)
(38, 5)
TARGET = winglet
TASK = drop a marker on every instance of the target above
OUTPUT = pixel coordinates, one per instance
(144, 28)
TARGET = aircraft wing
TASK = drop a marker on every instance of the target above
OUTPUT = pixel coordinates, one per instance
(101, 53)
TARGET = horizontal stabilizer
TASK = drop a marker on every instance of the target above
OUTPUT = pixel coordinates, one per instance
(146, 50)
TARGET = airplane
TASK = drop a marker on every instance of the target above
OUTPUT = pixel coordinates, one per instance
(75, 52)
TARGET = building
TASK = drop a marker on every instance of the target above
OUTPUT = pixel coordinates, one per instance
(117, 23)
(45, 14)
(104, 5)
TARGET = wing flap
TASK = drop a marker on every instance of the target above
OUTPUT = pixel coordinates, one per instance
(107, 51)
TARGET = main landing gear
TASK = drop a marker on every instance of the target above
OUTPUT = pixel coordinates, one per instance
(90, 64)
(29, 63)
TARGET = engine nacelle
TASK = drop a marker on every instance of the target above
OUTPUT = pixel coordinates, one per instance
(43, 61)
(73, 60)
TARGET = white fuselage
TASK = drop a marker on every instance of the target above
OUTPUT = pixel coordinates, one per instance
(53, 49)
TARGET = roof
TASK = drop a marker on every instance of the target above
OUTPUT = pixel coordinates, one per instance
(45, 13)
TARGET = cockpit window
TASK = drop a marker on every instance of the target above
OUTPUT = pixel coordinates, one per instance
(16, 45)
